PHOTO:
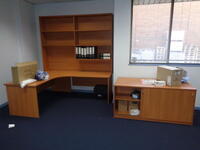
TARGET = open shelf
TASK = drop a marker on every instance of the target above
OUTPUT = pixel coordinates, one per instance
(125, 104)
(60, 35)
(94, 38)
(59, 39)
(122, 113)
(58, 43)
(57, 31)
(94, 30)
(94, 23)
(123, 109)
(125, 115)
(94, 42)
(126, 98)
(94, 59)
(57, 24)
(100, 48)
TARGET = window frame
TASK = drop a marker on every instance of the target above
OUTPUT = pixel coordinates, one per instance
(168, 46)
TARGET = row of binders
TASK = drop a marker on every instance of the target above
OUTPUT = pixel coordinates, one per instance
(90, 53)
(86, 52)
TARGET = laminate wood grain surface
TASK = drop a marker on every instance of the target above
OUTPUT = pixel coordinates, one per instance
(137, 82)
(168, 104)
(61, 74)
(23, 101)
(171, 104)
(60, 35)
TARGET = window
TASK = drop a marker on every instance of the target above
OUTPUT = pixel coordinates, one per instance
(165, 31)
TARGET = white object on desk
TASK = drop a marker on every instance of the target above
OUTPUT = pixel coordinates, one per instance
(148, 82)
(160, 83)
(25, 82)
(154, 82)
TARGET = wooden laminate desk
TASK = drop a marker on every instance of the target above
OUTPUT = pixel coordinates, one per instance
(172, 104)
(24, 101)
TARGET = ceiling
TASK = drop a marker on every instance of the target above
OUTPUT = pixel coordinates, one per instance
(51, 1)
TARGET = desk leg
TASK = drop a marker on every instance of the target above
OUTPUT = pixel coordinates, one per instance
(109, 95)
(23, 101)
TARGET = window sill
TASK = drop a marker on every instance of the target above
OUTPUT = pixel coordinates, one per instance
(158, 64)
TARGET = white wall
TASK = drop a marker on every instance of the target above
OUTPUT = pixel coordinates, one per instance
(122, 22)
(17, 38)
(70, 8)
(27, 32)
(8, 44)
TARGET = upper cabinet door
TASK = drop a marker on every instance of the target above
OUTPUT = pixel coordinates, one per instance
(168, 104)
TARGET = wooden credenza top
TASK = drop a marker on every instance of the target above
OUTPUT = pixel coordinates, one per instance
(137, 82)
(61, 74)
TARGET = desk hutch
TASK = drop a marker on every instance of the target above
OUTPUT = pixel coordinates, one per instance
(60, 35)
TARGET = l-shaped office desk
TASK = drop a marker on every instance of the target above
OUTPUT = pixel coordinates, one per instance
(160, 104)
(24, 101)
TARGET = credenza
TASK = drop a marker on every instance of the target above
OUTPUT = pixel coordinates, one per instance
(161, 104)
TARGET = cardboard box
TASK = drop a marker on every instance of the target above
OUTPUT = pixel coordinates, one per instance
(171, 75)
(23, 71)
(123, 106)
